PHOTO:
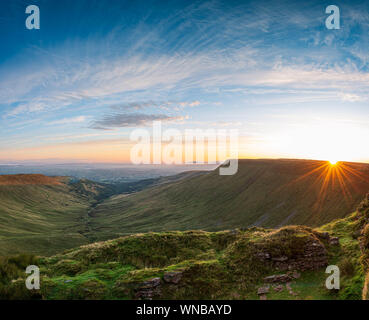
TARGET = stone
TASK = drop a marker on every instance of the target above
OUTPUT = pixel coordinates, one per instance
(173, 277)
(152, 283)
(314, 256)
(263, 290)
(278, 288)
(149, 289)
(277, 278)
(288, 286)
(325, 235)
(334, 241)
(296, 275)
(263, 256)
(234, 232)
(280, 259)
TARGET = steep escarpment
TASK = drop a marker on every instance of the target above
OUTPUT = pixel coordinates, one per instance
(264, 193)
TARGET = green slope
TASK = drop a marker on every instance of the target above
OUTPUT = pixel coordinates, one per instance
(266, 193)
(46, 215)
(204, 265)
(42, 216)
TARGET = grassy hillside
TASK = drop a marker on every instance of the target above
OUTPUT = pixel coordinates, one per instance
(286, 263)
(266, 193)
(46, 215)
(40, 214)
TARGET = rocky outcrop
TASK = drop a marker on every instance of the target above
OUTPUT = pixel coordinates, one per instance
(278, 278)
(173, 277)
(149, 289)
(311, 256)
(263, 290)
(334, 241)
(278, 288)
(314, 256)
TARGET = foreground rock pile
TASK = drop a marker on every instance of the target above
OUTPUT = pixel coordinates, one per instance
(301, 252)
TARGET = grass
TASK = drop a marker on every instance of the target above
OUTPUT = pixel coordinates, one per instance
(214, 265)
(48, 215)
(267, 193)
(43, 215)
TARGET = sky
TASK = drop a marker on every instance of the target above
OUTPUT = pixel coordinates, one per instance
(75, 89)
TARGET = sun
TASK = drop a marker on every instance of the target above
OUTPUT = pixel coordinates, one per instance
(333, 162)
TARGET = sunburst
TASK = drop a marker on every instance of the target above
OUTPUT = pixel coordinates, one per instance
(332, 174)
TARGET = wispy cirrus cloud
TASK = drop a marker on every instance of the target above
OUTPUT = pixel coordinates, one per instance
(78, 119)
(139, 105)
(221, 63)
(151, 60)
(132, 120)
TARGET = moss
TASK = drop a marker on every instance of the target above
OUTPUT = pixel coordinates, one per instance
(67, 267)
(347, 267)
(16, 290)
(219, 265)
(90, 290)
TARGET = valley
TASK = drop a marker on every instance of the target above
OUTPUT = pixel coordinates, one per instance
(266, 233)
(263, 193)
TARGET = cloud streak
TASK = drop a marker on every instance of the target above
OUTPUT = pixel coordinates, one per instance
(66, 121)
(155, 63)
(109, 122)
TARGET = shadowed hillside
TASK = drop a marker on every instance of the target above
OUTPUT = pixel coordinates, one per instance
(40, 214)
(29, 179)
(45, 215)
(266, 193)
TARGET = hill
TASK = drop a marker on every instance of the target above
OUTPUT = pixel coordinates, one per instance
(254, 263)
(46, 215)
(265, 193)
(40, 214)
(29, 179)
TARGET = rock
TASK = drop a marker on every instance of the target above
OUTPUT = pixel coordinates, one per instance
(325, 235)
(288, 286)
(314, 256)
(149, 289)
(263, 256)
(296, 275)
(334, 241)
(280, 259)
(173, 277)
(278, 288)
(152, 283)
(234, 232)
(278, 278)
(263, 297)
(263, 290)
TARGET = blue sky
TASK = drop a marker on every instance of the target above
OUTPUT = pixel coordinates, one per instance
(98, 69)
